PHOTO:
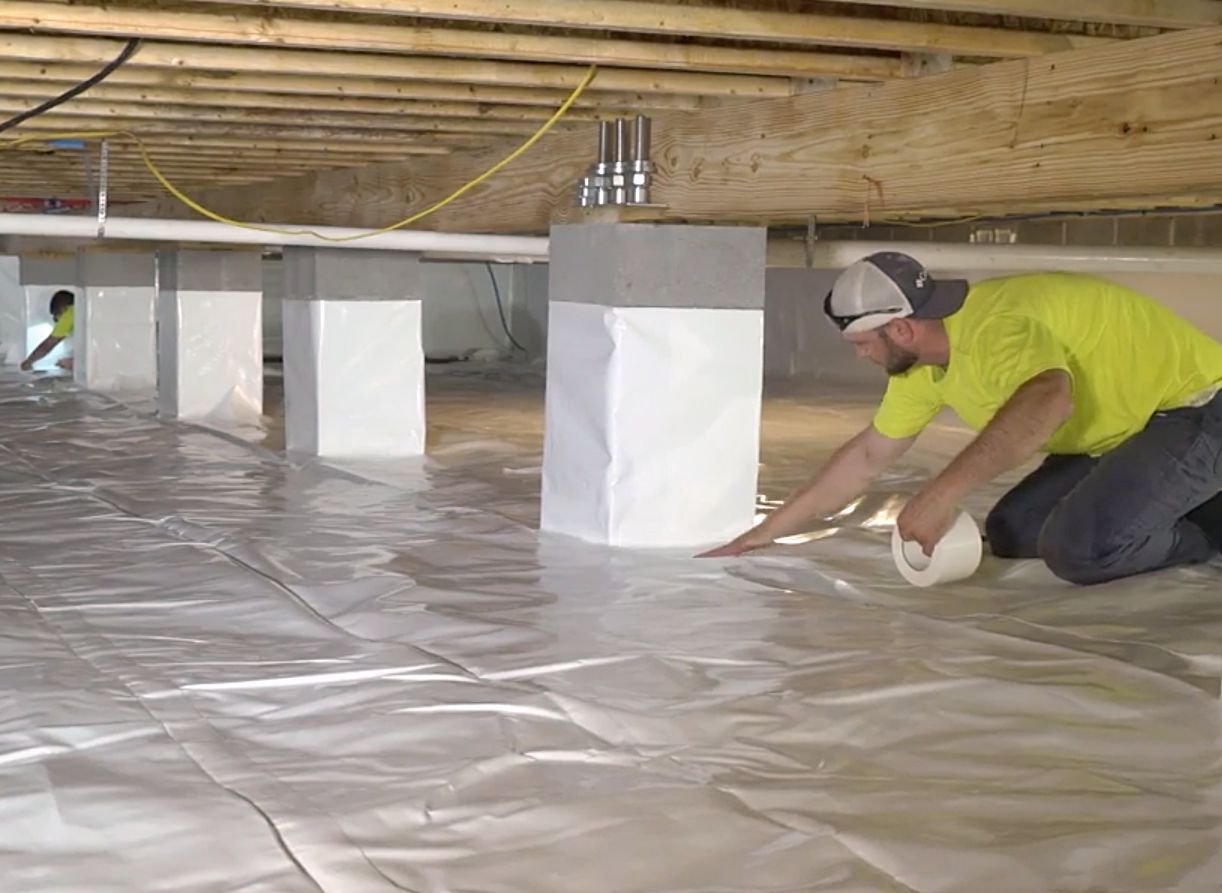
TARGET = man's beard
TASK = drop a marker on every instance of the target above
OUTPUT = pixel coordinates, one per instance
(899, 360)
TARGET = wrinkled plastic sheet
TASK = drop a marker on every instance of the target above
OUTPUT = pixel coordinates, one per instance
(225, 672)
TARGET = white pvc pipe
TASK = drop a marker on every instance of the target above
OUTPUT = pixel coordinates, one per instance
(828, 255)
(151, 229)
(985, 257)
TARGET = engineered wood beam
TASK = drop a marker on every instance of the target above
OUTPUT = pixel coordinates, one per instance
(806, 28)
(1132, 124)
(160, 23)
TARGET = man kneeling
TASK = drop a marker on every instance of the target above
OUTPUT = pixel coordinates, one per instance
(1122, 395)
(63, 312)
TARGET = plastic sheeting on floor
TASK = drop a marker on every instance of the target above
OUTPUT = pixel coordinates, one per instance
(223, 672)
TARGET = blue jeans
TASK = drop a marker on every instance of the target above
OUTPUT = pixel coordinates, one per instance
(1153, 502)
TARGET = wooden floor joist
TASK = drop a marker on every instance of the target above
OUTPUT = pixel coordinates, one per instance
(116, 19)
(278, 61)
(317, 84)
(51, 78)
(1148, 13)
(1131, 124)
(634, 16)
(120, 100)
(134, 114)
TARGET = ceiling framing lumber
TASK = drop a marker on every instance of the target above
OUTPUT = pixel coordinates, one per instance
(160, 23)
(386, 79)
(107, 96)
(1146, 13)
(633, 16)
(278, 61)
(54, 77)
(1132, 124)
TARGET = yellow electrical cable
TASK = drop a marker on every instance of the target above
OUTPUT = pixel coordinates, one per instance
(407, 221)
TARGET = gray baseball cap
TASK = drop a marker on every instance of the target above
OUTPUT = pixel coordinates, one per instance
(886, 286)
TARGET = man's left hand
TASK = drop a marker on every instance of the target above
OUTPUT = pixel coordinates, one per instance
(927, 517)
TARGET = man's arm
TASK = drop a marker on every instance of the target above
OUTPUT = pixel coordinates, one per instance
(845, 476)
(1018, 431)
(49, 344)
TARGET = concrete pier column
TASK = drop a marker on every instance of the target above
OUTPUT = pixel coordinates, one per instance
(353, 355)
(115, 340)
(654, 377)
(210, 334)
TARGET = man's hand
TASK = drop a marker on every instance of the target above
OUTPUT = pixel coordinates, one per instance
(748, 542)
(27, 366)
(65, 364)
(927, 517)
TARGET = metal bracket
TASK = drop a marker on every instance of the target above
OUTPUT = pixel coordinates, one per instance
(103, 185)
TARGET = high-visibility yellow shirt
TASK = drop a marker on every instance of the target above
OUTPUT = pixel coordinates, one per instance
(63, 325)
(1127, 355)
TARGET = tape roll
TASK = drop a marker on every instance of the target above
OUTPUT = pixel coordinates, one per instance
(956, 556)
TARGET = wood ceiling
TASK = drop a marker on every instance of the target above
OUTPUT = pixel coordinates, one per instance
(241, 93)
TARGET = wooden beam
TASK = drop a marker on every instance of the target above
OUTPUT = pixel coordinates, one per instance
(269, 84)
(198, 163)
(306, 132)
(136, 111)
(108, 95)
(1134, 124)
(272, 62)
(1149, 13)
(806, 28)
(218, 153)
(191, 141)
(161, 23)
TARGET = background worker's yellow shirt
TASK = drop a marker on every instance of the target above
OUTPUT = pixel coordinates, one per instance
(1128, 356)
(63, 326)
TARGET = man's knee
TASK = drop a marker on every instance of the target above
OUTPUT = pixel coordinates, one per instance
(1071, 552)
(1007, 536)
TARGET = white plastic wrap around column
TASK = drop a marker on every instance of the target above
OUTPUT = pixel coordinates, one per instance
(653, 413)
(115, 338)
(12, 311)
(354, 378)
(210, 362)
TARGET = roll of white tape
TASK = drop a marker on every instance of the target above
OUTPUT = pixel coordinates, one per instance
(956, 556)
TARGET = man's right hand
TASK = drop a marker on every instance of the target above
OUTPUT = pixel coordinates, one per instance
(748, 542)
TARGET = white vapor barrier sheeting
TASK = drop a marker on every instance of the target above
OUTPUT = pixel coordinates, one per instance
(210, 365)
(12, 311)
(116, 338)
(224, 672)
(653, 423)
(354, 378)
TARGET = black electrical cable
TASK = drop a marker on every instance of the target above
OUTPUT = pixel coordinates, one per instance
(80, 88)
(500, 309)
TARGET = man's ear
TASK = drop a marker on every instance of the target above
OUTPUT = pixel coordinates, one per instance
(901, 331)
